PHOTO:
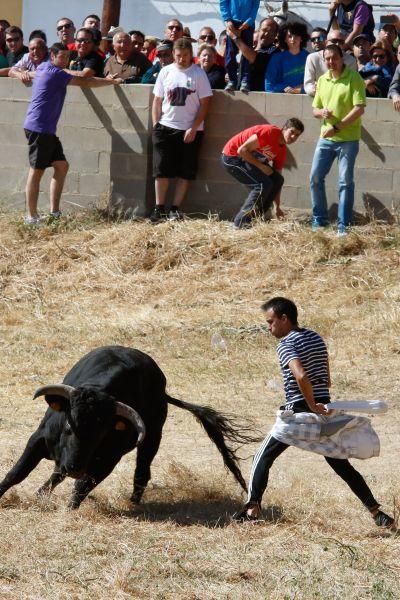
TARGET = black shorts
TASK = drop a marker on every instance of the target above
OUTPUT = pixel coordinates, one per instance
(171, 156)
(44, 149)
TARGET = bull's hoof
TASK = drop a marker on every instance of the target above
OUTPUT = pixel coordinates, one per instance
(136, 498)
(43, 492)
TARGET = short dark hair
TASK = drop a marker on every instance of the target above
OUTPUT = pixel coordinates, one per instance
(58, 47)
(87, 30)
(5, 23)
(183, 44)
(333, 48)
(295, 123)
(320, 30)
(14, 29)
(91, 17)
(282, 306)
(137, 33)
(38, 33)
(295, 28)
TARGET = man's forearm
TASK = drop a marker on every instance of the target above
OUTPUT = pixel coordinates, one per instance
(248, 157)
(352, 116)
(156, 110)
(202, 113)
(247, 52)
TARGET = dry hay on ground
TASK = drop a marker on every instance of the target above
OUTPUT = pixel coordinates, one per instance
(167, 290)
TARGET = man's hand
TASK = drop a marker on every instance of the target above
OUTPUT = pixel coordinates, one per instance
(326, 113)
(396, 103)
(279, 213)
(233, 32)
(322, 409)
(292, 90)
(333, 6)
(189, 136)
(328, 133)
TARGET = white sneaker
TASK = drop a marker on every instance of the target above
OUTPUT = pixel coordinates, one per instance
(34, 220)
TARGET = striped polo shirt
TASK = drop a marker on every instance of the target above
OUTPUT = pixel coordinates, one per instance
(310, 349)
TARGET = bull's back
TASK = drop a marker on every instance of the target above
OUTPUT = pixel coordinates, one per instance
(127, 374)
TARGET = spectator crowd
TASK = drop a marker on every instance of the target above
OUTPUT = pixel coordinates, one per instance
(289, 59)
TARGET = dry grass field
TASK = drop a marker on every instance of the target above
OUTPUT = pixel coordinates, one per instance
(167, 290)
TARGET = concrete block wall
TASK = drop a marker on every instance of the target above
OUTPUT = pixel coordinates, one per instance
(106, 134)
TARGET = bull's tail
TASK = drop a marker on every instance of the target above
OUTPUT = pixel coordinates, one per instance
(222, 428)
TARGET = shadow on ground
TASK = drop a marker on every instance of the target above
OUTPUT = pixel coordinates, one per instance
(213, 513)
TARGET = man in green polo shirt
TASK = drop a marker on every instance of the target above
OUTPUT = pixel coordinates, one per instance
(339, 101)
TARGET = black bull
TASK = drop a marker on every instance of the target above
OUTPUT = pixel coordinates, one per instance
(112, 400)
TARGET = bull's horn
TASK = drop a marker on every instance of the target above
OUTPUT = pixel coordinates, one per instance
(58, 389)
(125, 411)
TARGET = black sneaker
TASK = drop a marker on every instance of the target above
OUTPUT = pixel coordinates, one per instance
(383, 520)
(158, 214)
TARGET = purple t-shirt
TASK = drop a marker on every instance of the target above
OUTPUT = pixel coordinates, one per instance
(48, 95)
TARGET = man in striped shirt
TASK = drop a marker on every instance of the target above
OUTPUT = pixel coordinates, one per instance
(303, 359)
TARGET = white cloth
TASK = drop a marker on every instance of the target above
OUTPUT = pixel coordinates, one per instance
(336, 436)
(181, 91)
(371, 407)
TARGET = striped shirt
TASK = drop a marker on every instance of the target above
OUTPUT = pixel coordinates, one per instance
(308, 347)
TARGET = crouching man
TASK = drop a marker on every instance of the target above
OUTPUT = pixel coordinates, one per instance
(247, 157)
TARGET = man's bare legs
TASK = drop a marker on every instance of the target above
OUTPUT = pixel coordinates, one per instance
(161, 187)
(57, 183)
(32, 191)
(182, 186)
(56, 187)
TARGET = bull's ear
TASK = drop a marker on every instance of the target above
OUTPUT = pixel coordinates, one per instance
(120, 426)
(57, 404)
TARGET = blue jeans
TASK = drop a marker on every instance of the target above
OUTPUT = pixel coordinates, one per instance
(324, 155)
(263, 188)
(231, 51)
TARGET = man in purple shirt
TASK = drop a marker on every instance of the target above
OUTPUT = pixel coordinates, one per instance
(45, 150)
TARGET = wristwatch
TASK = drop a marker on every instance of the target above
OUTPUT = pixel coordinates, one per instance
(335, 127)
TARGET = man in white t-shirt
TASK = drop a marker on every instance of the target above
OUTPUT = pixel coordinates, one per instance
(182, 96)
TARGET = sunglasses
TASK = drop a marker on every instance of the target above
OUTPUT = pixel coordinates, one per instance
(83, 41)
(66, 26)
(177, 27)
(206, 37)
(14, 39)
(379, 56)
(320, 38)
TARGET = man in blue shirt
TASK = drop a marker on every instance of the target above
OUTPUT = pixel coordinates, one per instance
(303, 359)
(45, 149)
(238, 15)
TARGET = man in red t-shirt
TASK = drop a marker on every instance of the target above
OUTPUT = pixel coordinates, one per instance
(247, 156)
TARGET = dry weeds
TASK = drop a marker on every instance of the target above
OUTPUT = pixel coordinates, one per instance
(166, 290)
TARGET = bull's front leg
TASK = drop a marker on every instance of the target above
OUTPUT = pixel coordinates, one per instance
(100, 468)
(32, 455)
(145, 455)
(55, 479)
